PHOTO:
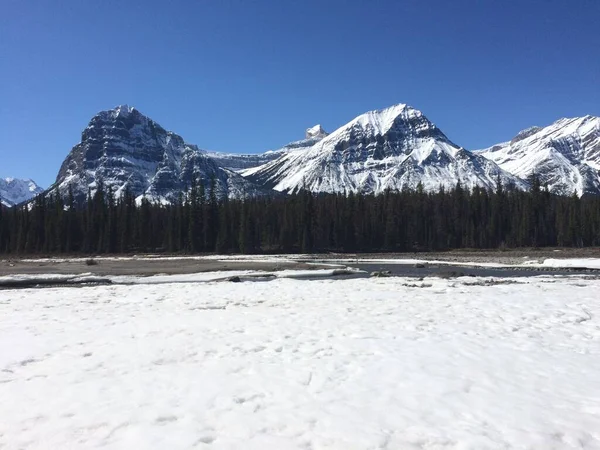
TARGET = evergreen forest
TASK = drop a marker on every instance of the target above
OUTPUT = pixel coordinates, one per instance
(406, 221)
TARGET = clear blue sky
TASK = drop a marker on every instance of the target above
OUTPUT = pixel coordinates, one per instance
(251, 75)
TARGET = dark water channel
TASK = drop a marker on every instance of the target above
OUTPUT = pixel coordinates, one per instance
(451, 271)
(368, 268)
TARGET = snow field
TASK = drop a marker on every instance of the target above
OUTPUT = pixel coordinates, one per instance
(386, 363)
(590, 263)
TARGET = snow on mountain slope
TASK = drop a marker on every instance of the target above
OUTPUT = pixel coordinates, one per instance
(14, 191)
(391, 148)
(126, 150)
(237, 161)
(565, 155)
(240, 162)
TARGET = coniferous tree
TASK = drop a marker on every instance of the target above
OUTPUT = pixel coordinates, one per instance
(410, 220)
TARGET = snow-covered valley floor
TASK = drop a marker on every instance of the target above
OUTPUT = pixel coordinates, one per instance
(377, 363)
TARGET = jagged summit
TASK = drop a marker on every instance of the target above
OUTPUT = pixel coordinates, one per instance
(381, 120)
(119, 111)
(127, 150)
(123, 110)
(564, 155)
(315, 132)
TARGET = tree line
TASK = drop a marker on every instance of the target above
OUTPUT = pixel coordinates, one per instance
(406, 221)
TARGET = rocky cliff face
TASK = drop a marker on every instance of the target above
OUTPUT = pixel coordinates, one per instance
(239, 162)
(564, 155)
(124, 149)
(392, 148)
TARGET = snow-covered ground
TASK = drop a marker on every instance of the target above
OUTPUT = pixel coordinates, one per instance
(378, 363)
(578, 263)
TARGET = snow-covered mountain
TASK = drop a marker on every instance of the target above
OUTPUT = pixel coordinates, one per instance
(238, 162)
(565, 155)
(14, 191)
(391, 148)
(126, 150)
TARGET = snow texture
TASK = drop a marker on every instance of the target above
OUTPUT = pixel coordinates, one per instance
(245, 163)
(238, 162)
(564, 155)
(43, 276)
(385, 363)
(580, 263)
(14, 191)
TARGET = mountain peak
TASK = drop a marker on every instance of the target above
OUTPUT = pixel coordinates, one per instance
(384, 119)
(389, 148)
(129, 151)
(14, 190)
(315, 132)
(123, 110)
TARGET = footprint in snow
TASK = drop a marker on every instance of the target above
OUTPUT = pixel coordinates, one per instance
(205, 440)
(166, 419)
(27, 361)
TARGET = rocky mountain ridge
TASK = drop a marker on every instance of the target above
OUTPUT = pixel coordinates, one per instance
(392, 148)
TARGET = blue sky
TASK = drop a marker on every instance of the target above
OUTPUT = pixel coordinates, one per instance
(251, 75)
